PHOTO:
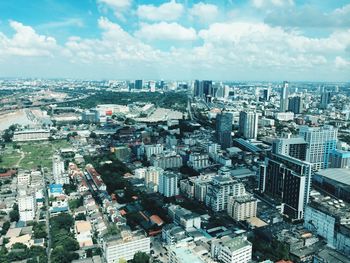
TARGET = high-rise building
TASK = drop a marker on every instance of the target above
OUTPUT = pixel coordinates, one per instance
(168, 184)
(295, 104)
(204, 89)
(286, 180)
(248, 124)
(224, 129)
(138, 84)
(325, 98)
(321, 142)
(219, 191)
(284, 97)
(294, 147)
(266, 94)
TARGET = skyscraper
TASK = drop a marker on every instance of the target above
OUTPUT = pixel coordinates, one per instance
(138, 84)
(223, 129)
(284, 97)
(321, 143)
(325, 98)
(248, 124)
(287, 180)
(295, 104)
(266, 94)
(294, 147)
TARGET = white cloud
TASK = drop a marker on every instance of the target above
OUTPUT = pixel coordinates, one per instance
(119, 7)
(341, 63)
(117, 3)
(75, 22)
(116, 45)
(26, 42)
(271, 3)
(166, 31)
(204, 12)
(169, 11)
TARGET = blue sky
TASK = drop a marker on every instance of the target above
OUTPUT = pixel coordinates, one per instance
(176, 39)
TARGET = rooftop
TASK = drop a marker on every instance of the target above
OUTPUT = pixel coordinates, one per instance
(337, 174)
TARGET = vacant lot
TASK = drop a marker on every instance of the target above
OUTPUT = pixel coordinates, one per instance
(31, 154)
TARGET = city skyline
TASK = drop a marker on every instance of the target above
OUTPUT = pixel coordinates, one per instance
(254, 40)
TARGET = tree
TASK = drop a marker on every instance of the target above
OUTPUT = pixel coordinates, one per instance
(5, 227)
(93, 135)
(140, 257)
(14, 214)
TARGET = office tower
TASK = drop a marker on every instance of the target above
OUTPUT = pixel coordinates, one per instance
(295, 104)
(339, 159)
(197, 92)
(138, 84)
(248, 124)
(284, 97)
(223, 129)
(207, 87)
(321, 142)
(325, 98)
(266, 94)
(168, 184)
(219, 191)
(286, 180)
(294, 147)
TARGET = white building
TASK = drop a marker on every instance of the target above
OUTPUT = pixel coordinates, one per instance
(322, 141)
(152, 176)
(58, 170)
(231, 250)
(31, 135)
(153, 149)
(125, 246)
(284, 116)
(248, 124)
(198, 160)
(168, 184)
(219, 191)
(23, 178)
(26, 206)
(242, 207)
(140, 173)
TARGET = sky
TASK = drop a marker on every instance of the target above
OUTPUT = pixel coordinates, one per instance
(267, 40)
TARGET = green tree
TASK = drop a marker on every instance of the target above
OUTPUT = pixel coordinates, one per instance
(140, 257)
(14, 214)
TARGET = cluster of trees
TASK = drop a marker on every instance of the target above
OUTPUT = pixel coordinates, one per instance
(175, 100)
(75, 203)
(63, 242)
(39, 230)
(8, 133)
(112, 173)
(20, 251)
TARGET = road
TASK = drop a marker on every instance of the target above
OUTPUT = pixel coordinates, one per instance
(48, 249)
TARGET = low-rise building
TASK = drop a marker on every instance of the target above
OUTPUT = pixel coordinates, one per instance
(125, 246)
(231, 249)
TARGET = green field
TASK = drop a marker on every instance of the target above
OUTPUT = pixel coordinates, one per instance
(31, 154)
